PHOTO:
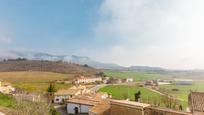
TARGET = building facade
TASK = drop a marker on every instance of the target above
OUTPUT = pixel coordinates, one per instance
(86, 80)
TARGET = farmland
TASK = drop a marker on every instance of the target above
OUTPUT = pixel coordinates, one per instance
(34, 81)
(147, 96)
(136, 75)
(118, 92)
(182, 90)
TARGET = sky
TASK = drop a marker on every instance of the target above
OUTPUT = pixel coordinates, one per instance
(165, 33)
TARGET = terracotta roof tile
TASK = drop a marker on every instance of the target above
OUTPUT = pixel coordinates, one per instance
(196, 101)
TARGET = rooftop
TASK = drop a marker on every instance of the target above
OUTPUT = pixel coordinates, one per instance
(101, 107)
(88, 99)
(67, 92)
(82, 77)
(196, 100)
(78, 87)
(130, 103)
(183, 79)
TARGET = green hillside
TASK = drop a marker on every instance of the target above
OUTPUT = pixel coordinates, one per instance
(136, 75)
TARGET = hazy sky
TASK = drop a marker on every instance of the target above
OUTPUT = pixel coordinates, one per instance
(166, 33)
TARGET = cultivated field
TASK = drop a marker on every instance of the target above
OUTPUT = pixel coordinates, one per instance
(147, 96)
(136, 75)
(182, 90)
(34, 81)
(120, 92)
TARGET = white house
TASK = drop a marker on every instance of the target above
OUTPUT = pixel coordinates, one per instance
(64, 94)
(183, 81)
(129, 80)
(85, 80)
(6, 87)
(61, 95)
(82, 104)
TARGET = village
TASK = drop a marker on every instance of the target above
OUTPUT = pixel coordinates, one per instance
(83, 98)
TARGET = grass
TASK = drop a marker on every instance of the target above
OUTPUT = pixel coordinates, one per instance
(39, 87)
(118, 91)
(6, 101)
(136, 75)
(184, 90)
(35, 81)
(24, 77)
(147, 96)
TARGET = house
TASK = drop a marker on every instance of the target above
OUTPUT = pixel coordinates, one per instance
(86, 80)
(103, 108)
(6, 87)
(124, 107)
(164, 82)
(129, 80)
(196, 103)
(183, 81)
(63, 94)
(100, 104)
(84, 103)
(150, 83)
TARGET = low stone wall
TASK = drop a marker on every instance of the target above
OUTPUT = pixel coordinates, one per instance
(161, 111)
(124, 110)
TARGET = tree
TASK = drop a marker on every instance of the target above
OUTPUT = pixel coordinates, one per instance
(137, 96)
(51, 88)
(169, 101)
(86, 65)
(27, 107)
(50, 91)
(100, 74)
(181, 107)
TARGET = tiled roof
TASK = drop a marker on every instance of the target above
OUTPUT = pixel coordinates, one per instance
(196, 101)
(67, 92)
(87, 99)
(101, 107)
(130, 104)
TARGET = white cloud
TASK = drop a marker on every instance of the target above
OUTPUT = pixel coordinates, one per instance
(149, 32)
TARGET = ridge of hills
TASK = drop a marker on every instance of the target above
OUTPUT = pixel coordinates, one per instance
(45, 66)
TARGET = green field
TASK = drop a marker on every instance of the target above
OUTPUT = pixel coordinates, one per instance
(136, 75)
(35, 81)
(147, 96)
(183, 90)
(118, 92)
(6, 101)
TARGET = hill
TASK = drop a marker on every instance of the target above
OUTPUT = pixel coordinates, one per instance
(45, 66)
(35, 81)
(65, 58)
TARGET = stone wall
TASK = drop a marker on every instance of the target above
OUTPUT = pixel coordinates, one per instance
(161, 111)
(124, 110)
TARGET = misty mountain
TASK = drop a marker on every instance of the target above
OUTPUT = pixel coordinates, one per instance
(147, 69)
(66, 58)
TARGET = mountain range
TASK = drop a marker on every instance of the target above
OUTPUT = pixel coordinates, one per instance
(82, 60)
(66, 58)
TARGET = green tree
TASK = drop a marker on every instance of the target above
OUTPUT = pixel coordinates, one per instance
(51, 88)
(137, 96)
(50, 91)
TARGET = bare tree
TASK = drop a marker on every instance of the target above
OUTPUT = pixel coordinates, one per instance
(27, 106)
(169, 101)
(32, 108)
